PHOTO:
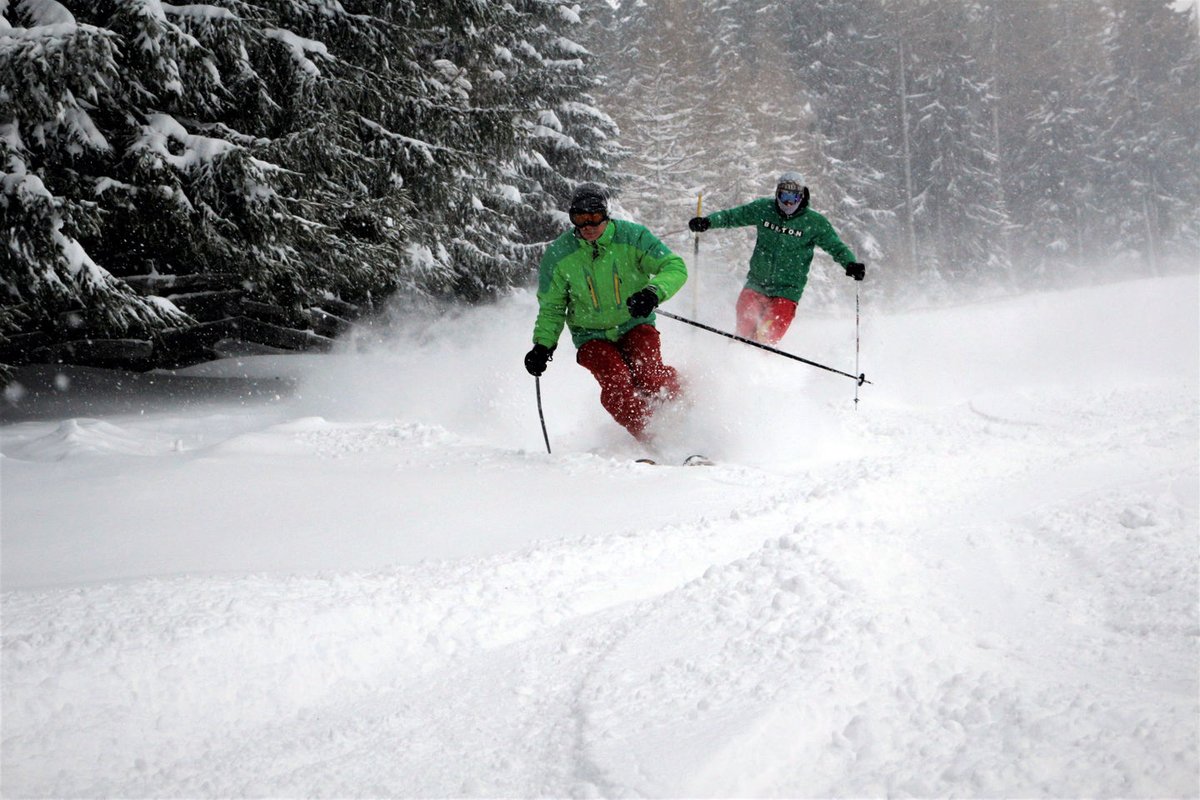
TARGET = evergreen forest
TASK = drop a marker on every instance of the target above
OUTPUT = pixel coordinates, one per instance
(178, 177)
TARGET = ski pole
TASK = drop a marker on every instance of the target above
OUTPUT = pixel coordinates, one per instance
(696, 258)
(537, 383)
(856, 342)
(860, 378)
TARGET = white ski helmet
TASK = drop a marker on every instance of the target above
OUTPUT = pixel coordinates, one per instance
(791, 195)
(793, 181)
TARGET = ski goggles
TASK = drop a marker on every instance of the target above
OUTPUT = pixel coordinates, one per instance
(585, 219)
(790, 197)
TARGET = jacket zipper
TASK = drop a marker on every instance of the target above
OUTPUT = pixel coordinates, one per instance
(591, 285)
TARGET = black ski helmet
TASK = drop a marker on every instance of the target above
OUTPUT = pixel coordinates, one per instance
(587, 198)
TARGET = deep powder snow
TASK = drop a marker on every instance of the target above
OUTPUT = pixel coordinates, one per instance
(361, 574)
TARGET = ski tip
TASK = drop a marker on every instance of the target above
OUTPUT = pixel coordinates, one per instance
(690, 461)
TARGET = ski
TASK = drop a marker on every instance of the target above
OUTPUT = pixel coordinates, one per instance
(690, 461)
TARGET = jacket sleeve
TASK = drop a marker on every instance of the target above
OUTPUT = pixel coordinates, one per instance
(738, 216)
(827, 239)
(552, 302)
(667, 270)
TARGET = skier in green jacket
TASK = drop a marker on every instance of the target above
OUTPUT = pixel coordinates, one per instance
(788, 230)
(603, 279)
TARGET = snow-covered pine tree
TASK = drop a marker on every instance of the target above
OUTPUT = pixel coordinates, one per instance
(738, 172)
(163, 151)
(203, 188)
(56, 76)
(295, 153)
(536, 78)
(566, 137)
(766, 71)
(338, 72)
(760, 120)
(735, 124)
(1149, 151)
(843, 51)
(1047, 130)
(771, 118)
(459, 118)
(955, 215)
(656, 75)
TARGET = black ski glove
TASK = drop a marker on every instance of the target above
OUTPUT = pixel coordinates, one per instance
(699, 224)
(641, 303)
(535, 359)
(856, 270)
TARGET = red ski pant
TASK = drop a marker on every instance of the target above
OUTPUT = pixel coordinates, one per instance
(633, 379)
(763, 319)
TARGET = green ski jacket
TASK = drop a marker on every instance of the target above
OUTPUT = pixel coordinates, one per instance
(783, 250)
(585, 285)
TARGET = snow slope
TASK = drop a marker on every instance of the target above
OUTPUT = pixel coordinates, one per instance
(362, 575)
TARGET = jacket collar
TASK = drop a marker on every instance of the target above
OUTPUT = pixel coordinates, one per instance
(779, 212)
(610, 230)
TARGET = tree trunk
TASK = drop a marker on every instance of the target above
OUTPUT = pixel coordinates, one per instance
(908, 182)
(1001, 186)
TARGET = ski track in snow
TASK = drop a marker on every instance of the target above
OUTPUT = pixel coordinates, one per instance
(992, 592)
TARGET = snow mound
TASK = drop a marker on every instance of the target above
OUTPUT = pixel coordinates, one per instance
(77, 437)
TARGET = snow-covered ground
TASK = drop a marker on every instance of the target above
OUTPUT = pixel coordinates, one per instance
(362, 575)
